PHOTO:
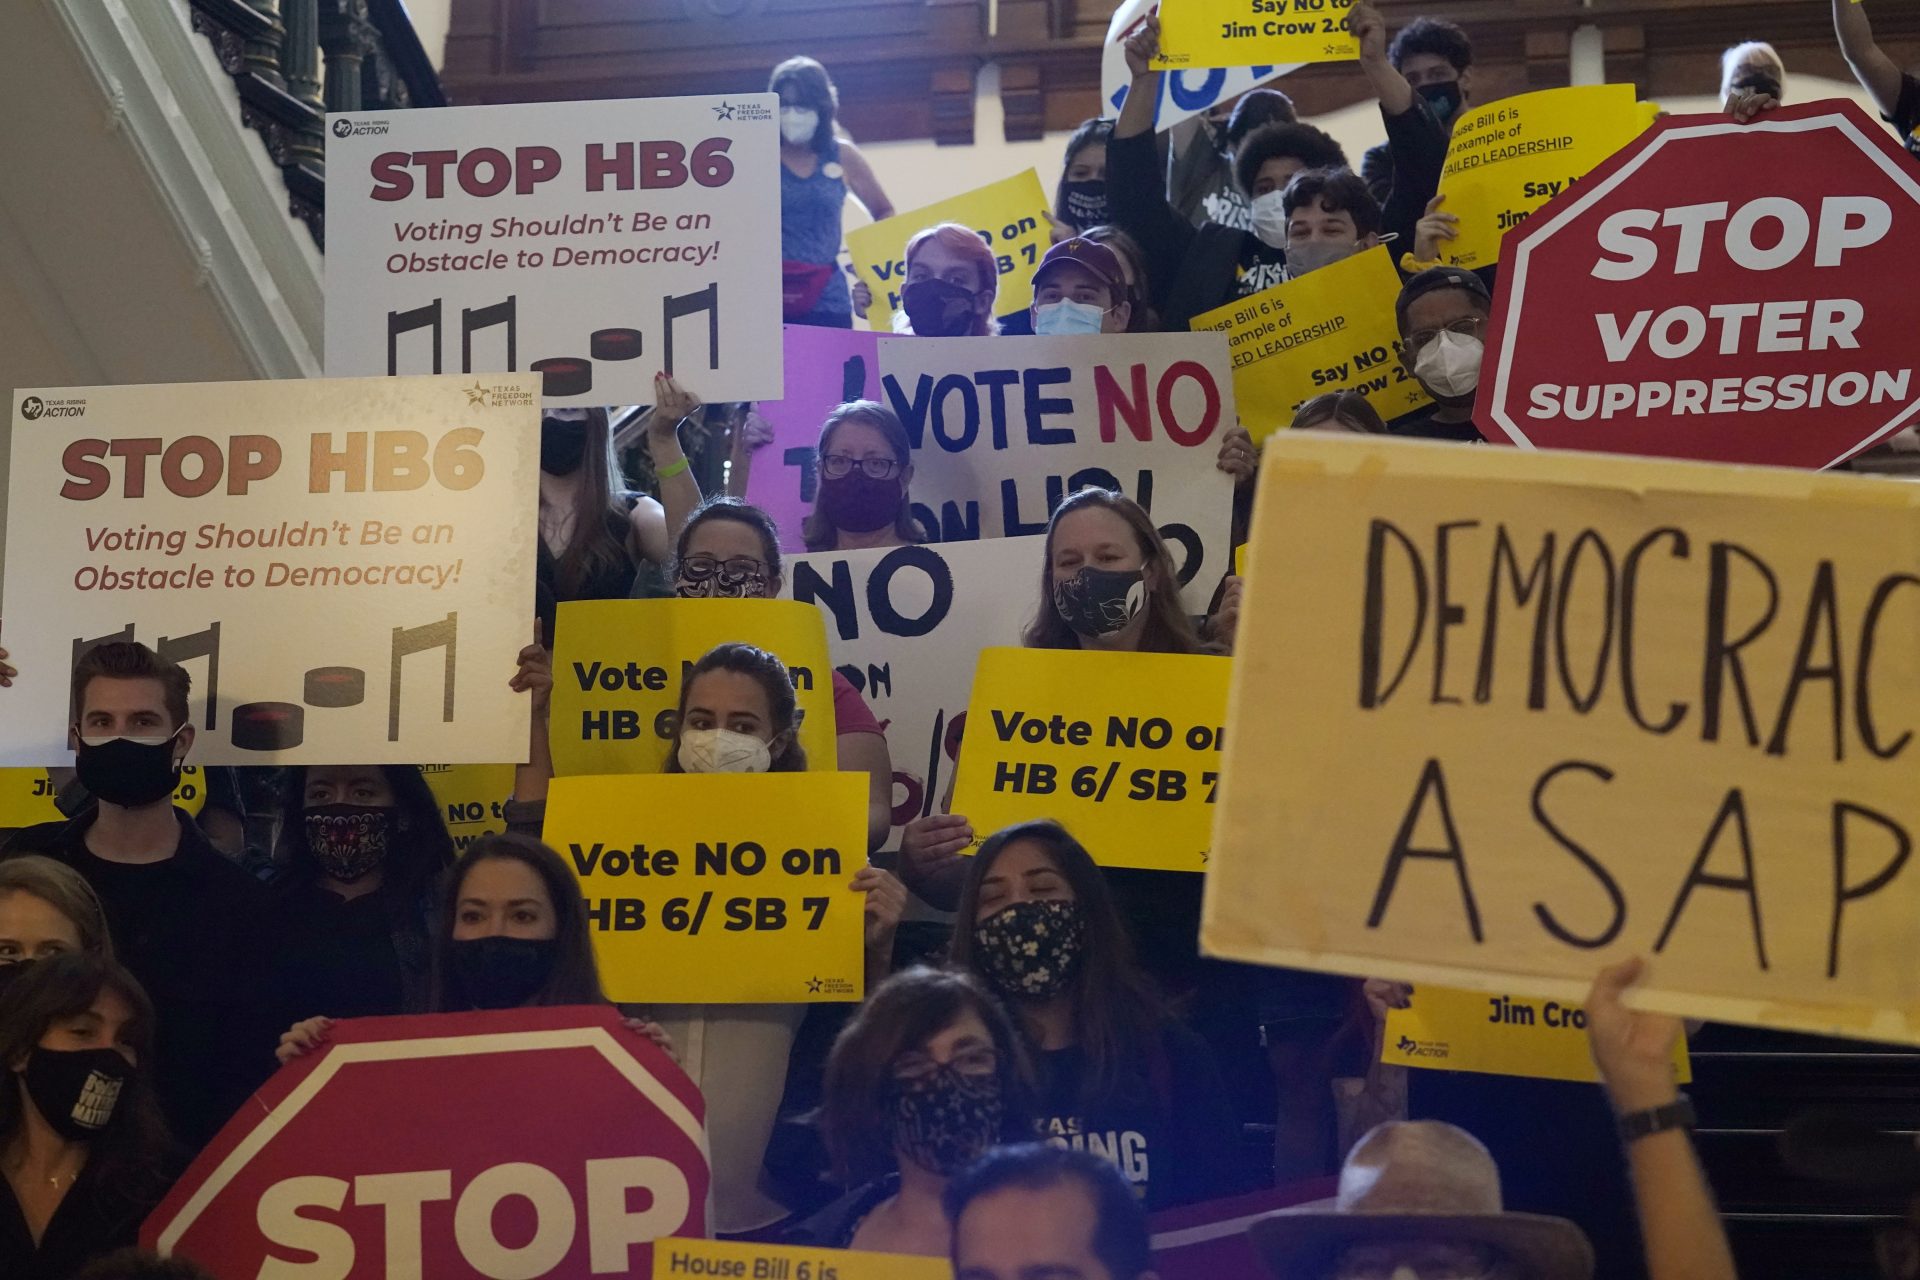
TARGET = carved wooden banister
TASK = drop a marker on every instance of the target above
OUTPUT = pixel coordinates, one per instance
(293, 61)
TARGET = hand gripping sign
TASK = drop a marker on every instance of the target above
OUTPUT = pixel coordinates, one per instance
(1744, 295)
(523, 1142)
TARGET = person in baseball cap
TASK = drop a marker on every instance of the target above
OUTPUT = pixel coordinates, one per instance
(1421, 1198)
(1080, 287)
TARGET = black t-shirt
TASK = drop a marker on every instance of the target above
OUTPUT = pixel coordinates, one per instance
(1171, 1132)
(91, 1221)
(338, 957)
(1906, 113)
(1422, 424)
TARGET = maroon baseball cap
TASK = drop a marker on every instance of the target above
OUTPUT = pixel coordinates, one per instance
(1089, 256)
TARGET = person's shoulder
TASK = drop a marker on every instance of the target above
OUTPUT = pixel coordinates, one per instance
(44, 838)
(833, 1226)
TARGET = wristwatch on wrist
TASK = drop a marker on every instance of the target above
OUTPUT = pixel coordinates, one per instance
(1677, 1114)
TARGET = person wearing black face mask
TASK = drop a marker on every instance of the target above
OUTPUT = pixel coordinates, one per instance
(952, 280)
(1117, 1073)
(865, 465)
(928, 1077)
(361, 847)
(84, 1153)
(195, 929)
(1080, 201)
(1436, 57)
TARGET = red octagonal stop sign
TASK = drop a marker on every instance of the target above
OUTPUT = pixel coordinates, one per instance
(1735, 293)
(520, 1143)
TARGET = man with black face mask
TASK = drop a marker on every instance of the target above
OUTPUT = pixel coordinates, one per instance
(191, 926)
(1437, 59)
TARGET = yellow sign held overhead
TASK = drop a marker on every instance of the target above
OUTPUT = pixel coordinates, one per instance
(1010, 216)
(616, 675)
(1252, 33)
(1500, 1035)
(1501, 718)
(1329, 330)
(1512, 156)
(719, 888)
(1122, 748)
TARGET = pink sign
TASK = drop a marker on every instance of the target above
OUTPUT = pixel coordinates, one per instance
(825, 368)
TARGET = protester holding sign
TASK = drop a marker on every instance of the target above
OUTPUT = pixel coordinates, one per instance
(927, 1078)
(195, 928)
(1080, 287)
(362, 848)
(952, 280)
(1436, 57)
(866, 464)
(1118, 1075)
(1080, 201)
(818, 168)
(83, 1149)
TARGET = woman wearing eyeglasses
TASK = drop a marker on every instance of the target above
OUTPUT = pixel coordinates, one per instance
(865, 466)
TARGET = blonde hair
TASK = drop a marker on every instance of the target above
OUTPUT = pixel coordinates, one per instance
(66, 891)
(1737, 57)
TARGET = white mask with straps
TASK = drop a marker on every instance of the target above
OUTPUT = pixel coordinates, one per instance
(1270, 219)
(723, 751)
(1449, 365)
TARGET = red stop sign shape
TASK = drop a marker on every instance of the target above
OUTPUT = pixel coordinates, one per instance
(1725, 292)
(518, 1143)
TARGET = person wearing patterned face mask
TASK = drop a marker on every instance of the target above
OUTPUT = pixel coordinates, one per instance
(1117, 1074)
(928, 1077)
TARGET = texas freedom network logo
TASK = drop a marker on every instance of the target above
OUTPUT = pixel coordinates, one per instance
(497, 396)
(345, 128)
(742, 111)
(33, 408)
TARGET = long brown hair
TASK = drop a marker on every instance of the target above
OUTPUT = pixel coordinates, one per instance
(130, 1156)
(819, 531)
(576, 977)
(66, 891)
(1117, 1014)
(773, 677)
(900, 1015)
(599, 507)
(1168, 628)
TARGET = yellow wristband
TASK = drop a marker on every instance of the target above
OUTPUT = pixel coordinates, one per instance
(673, 469)
(1413, 266)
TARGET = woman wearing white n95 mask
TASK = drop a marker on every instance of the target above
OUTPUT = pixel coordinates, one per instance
(818, 167)
(737, 715)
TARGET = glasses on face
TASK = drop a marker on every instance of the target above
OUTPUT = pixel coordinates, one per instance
(1469, 327)
(912, 1068)
(705, 566)
(1421, 1261)
(836, 466)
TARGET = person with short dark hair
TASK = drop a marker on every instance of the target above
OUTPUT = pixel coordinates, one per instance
(83, 1150)
(1200, 182)
(1442, 314)
(196, 930)
(1330, 216)
(1436, 57)
(1196, 270)
(928, 1077)
(1040, 1210)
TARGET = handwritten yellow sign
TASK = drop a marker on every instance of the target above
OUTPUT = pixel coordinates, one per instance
(1009, 215)
(26, 796)
(617, 670)
(1330, 330)
(1123, 748)
(471, 798)
(1500, 718)
(1249, 33)
(730, 1260)
(719, 888)
(1512, 156)
(1500, 1035)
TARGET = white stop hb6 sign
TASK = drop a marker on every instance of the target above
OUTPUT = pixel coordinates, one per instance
(1725, 292)
(512, 1144)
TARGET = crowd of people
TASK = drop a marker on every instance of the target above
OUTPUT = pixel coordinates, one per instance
(1060, 1059)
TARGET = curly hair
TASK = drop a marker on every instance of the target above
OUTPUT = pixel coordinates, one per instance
(1436, 36)
(1313, 148)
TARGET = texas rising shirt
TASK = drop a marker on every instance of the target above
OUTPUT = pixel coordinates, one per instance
(1170, 1131)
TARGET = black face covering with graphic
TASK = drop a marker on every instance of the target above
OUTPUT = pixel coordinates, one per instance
(947, 1119)
(1100, 602)
(1031, 950)
(1445, 99)
(77, 1091)
(1087, 203)
(937, 309)
(349, 841)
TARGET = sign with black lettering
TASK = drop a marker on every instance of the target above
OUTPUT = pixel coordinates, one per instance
(1500, 718)
(905, 626)
(338, 564)
(594, 243)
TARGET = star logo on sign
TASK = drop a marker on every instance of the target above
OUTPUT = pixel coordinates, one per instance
(814, 986)
(724, 111)
(476, 394)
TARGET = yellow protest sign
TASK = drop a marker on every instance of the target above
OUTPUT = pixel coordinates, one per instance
(1500, 718)
(1330, 330)
(26, 796)
(719, 888)
(1122, 748)
(1010, 215)
(617, 668)
(1248, 33)
(1499, 1035)
(471, 797)
(1512, 156)
(677, 1259)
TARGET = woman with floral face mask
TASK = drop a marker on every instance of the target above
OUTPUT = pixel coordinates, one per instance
(1117, 1074)
(928, 1077)
(818, 167)
(83, 1149)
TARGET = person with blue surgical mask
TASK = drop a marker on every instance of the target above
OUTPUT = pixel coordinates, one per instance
(1080, 287)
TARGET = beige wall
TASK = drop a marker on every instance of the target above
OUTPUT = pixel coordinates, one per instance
(430, 19)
